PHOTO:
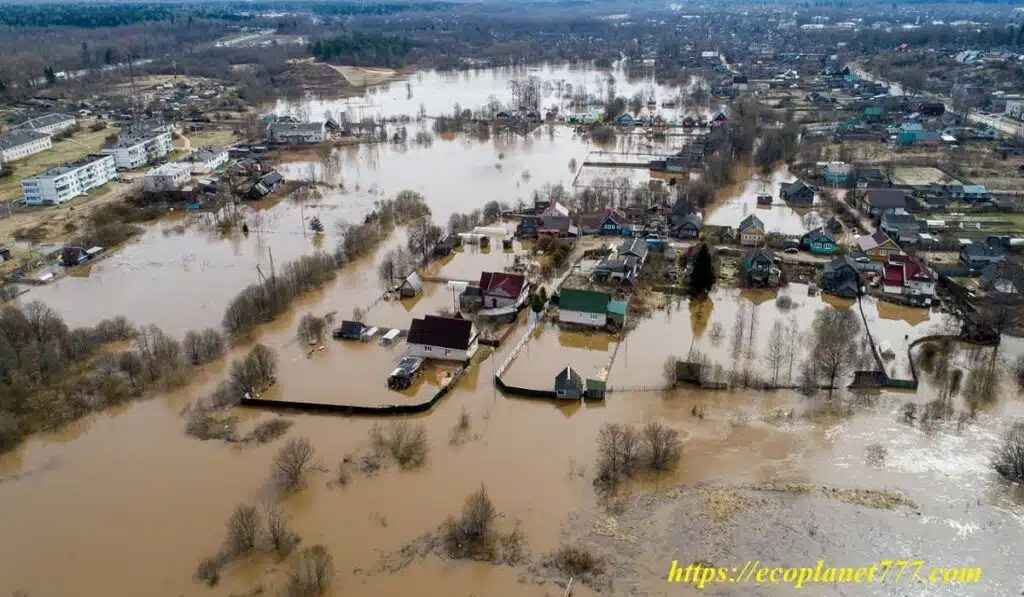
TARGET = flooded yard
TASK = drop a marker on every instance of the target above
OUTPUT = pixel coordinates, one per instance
(740, 201)
(123, 502)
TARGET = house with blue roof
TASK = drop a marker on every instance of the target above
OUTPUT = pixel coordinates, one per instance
(975, 192)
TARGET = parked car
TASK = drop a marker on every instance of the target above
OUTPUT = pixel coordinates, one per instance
(792, 250)
(862, 259)
(406, 371)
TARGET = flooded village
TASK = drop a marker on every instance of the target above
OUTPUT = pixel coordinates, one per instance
(542, 329)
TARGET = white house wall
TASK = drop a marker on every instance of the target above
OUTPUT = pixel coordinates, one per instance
(582, 318)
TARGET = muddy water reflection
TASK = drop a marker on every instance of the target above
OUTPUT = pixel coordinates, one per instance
(740, 201)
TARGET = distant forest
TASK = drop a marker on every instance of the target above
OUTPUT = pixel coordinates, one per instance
(361, 49)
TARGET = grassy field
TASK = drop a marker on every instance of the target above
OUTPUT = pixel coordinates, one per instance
(82, 143)
(217, 137)
(1002, 222)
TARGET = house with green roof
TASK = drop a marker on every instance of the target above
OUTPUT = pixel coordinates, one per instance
(617, 312)
(583, 307)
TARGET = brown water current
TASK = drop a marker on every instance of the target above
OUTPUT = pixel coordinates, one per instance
(123, 503)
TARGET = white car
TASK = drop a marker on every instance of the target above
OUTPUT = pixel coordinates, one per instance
(862, 260)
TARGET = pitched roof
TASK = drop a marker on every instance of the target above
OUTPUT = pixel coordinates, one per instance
(840, 263)
(793, 188)
(819, 234)
(618, 307)
(893, 274)
(634, 246)
(877, 239)
(413, 281)
(45, 120)
(555, 209)
(759, 253)
(617, 217)
(502, 284)
(975, 189)
(446, 332)
(569, 377)
(751, 220)
(982, 250)
(587, 301)
(913, 269)
(885, 198)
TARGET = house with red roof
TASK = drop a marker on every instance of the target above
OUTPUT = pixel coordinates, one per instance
(908, 276)
(500, 289)
(892, 278)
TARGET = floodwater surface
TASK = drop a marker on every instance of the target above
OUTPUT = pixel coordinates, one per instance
(123, 503)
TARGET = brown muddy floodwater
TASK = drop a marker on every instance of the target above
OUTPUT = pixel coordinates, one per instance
(123, 503)
(740, 200)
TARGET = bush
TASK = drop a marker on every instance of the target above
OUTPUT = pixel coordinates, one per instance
(204, 424)
(280, 537)
(203, 347)
(602, 134)
(619, 448)
(11, 433)
(1009, 459)
(575, 561)
(209, 570)
(98, 126)
(407, 443)
(313, 572)
(663, 445)
(268, 431)
(471, 534)
(255, 372)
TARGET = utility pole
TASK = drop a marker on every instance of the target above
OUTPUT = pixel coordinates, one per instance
(135, 97)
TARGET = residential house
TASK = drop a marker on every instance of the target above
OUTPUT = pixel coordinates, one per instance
(555, 219)
(138, 149)
(528, 227)
(634, 247)
(872, 178)
(294, 133)
(688, 226)
(892, 278)
(878, 247)
(740, 82)
(205, 160)
(842, 278)
(266, 185)
(874, 114)
(611, 222)
(23, 144)
(48, 124)
(617, 312)
(719, 118)
(71, 256)
(503, 290)
(569, 384)
(620, 271)
(166, 177)
(624, 120)
(411, 286)
(680, 210)
(838, 173)
(583, 307)
(759, 268)
(819, 241)
(1005, 277)
(980, 255)
(918, 279)
(69, 180)
(904, 228)
(975, 192)
(444, 338)
(751, 231)
(834, 225)
(797, 193)
(878, 201)
(349, 330)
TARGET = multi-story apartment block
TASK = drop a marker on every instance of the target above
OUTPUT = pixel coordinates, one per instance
(133, 151)
(63, 183)
(23, 144)
(50, 124)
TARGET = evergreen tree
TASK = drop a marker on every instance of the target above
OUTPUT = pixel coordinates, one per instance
(316, 225)
(51, 77)
(703, 276)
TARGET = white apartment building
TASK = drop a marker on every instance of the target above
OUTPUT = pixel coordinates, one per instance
(1015, 109)
(138, 150)
(297, 132)
(63, 183)
(23, 144)
(206, 159)
(166, 177)
(50, 124)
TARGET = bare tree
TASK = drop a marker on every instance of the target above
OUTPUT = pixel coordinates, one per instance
(393, 265)
(279, 535)
(792, 336)
(752, 333)
(313, 572)
(311, 329)
(422, 236)
(618, 448)
(478, 514)
(835, 342)
(669, 369)
(293, 461)
(663, 445)
(776, 350)
(243, 530)
(408, 443)
(738, 332)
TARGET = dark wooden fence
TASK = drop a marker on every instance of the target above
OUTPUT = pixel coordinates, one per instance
(388, 410)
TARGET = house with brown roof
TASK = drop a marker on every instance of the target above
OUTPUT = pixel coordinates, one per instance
(879, 201)
(878, 247)
(444, 338)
